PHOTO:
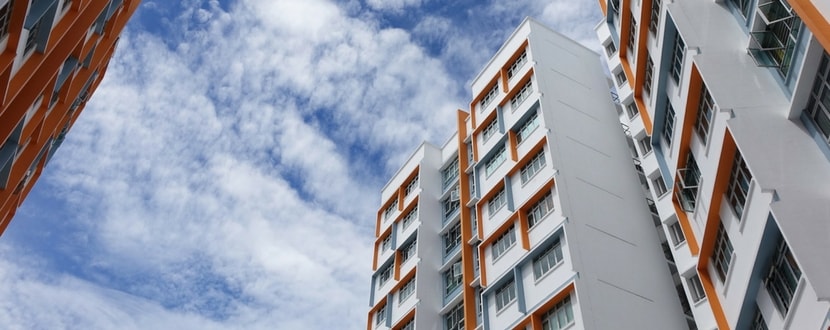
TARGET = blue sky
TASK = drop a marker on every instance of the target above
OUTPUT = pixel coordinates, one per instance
(226, 173)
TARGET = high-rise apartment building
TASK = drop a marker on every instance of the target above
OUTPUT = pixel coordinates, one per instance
(727, 103)
(531, 216)
(54, 54)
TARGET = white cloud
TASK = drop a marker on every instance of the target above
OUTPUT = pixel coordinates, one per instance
(228, 176)
(393, 5)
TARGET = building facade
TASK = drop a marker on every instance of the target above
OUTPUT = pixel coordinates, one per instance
(531, 216)
(54, 55)
(727, 103)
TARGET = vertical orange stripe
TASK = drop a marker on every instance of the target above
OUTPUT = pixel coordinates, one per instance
(523, 230)
(468, 273)
(514, 152)
(397, 269)
(602, 7)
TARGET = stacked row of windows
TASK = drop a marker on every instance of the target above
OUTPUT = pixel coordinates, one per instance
(723, 253)
(380, 315)
(818, 105)
(504, 242)
(655, 16)
(677, 58)
(632, 34)
(406, 290)
(546, 261)
(497, 202)
(505, 295)
(489, 97)
(668, 125)
(452, 278)
(452, 238)
(522, 95)
(490, 129)
(454, 320)
(738, 184)
(410, 218)
(540, 210)
(783, 277)
(386, 243)
(517, 64)
(527, 127)
(535, 165)
(705, 113)
(560, 316)
(494, 162)
(385, 275)
(409, 250)
(631, 110)
(648, 76)
(390, 209)
(411, 186)
(449, 174)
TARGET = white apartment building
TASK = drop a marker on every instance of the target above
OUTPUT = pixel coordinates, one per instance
(531, 216)
(727, 104)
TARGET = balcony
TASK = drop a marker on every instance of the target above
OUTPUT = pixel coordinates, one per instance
(685, 187)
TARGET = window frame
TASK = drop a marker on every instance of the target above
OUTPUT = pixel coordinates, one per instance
(528, 127)
(490, 130)
(816, 110)
(452, 281)
(676, 233)
(645, 145)
(452, 238)
(540, 210)
(782, 290)
(409, 217)
(678, 54)
(655, 17)
(409, 250)
(454, 320)
(533, 167)
(546, 261)
(384, 275)
(553, 315)
(631, 110)
(517, 64)
(406, 290)
(649, 75)
(498, 158)
(522, 95)
(696, 290)
(740, 180)
(488, 98)
(660, 187)
(668, 124)
(503, 243)
(449, 173)
(722, 256)
(505, 294)
(497, 202)
(621, 78)
(705, 114)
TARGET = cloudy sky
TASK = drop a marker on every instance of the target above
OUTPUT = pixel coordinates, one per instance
(226, 173)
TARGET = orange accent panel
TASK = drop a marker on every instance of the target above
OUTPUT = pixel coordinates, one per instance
(523, 230)
(602, 6)
(815, 21)
(644, 116)
(504, 82)
(625, 21)
(514, 152)
(722, 177)
(397, 267)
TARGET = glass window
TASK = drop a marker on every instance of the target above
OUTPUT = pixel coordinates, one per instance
(621, 78)
(540, 210)
(696, 288)
(528, 127)
(452, 278)
(655, 17)
(489, 97)
(758, 322)
(560, 316)
(742, 6)
(610, 48)
(632, 35)
(450, 207)
(452, 238)
(676, 233)
(5, 17)
(385, 274)
(408, 251)
(454, 320)
(773, 44)
(549, 258)
(490, 129)
(722, 256)
(659, 186)
(497, 202)
(535, 165)
(505, 241)
(386, 243)
(449, 173)
(411, 186)
(783, 277)
(406, 290)
(380, 315)
(677, 58)
(631, 110)
(410, 325)
(648, 76)
(494, 162)
(505, 295)
(645, 145)
(390, 209)
(705, 113)
(668, 125)
(818, 105)
(521, 95)
(517, 64)
(410, 217)
(738, 184)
